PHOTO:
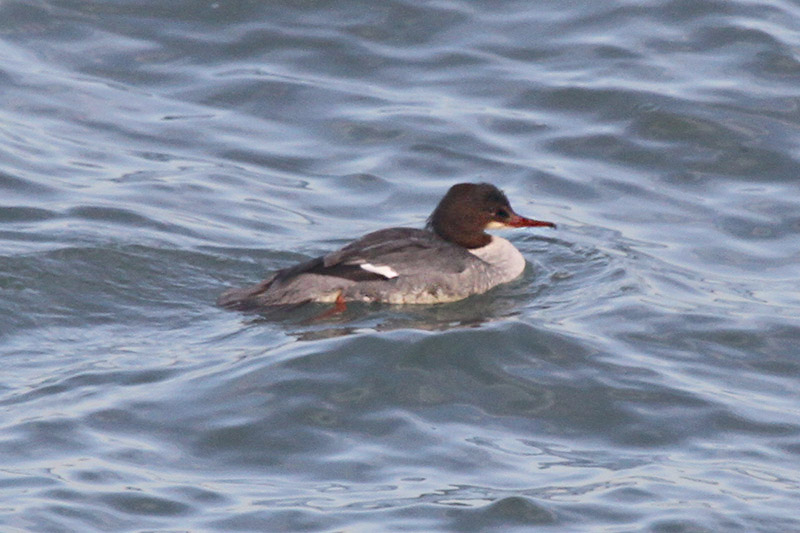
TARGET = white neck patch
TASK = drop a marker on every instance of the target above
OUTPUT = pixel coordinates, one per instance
(507, 261)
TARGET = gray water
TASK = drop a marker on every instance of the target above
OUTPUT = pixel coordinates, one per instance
(642, 375)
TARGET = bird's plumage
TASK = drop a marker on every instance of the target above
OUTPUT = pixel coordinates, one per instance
(450, 260)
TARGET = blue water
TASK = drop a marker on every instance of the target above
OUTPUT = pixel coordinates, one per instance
(642, 375)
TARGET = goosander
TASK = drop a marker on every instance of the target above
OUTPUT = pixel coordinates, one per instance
(452, 258)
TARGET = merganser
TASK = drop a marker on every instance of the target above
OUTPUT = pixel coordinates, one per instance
(452, 258)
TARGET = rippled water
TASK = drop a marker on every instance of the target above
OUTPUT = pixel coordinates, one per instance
(642, 375)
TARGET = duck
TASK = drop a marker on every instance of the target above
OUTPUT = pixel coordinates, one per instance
(451, 258)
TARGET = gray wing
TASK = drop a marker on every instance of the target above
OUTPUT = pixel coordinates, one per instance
(406, 251)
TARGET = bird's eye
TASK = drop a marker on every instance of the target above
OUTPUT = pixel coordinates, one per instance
(501, 213)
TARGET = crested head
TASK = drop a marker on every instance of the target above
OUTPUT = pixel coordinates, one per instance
(469, 209)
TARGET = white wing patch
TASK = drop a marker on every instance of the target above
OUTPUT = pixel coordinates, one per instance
(383, 270)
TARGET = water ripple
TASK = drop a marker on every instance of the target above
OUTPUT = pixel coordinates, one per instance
(640, 375)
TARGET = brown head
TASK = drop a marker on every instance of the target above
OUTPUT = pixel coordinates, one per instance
(469, 209)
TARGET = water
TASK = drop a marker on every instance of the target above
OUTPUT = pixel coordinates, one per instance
(642, 375)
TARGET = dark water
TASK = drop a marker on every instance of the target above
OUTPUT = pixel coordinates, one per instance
(642, 375)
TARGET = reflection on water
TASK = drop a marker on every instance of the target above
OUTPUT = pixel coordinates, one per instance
(641, 374)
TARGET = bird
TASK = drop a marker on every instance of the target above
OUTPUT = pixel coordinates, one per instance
(450, 259)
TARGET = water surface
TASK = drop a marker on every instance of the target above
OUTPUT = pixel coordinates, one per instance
(642, 374)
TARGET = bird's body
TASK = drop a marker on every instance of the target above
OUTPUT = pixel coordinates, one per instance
(449, 260)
